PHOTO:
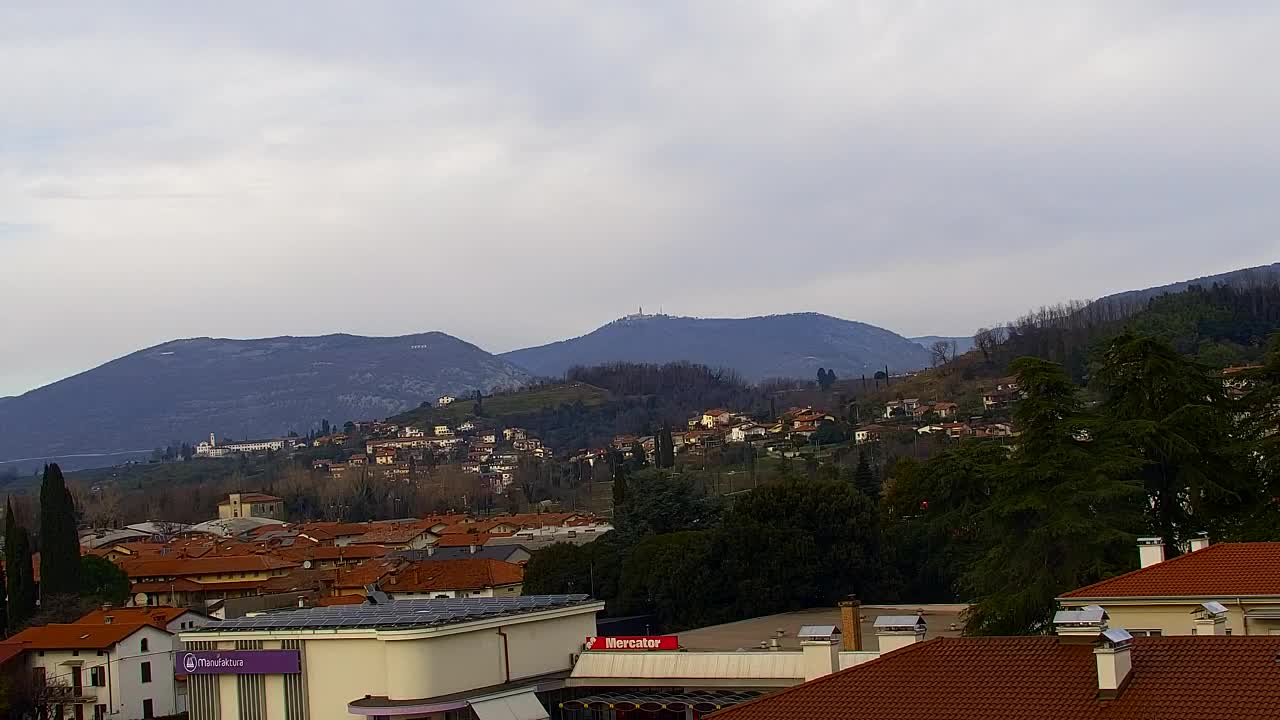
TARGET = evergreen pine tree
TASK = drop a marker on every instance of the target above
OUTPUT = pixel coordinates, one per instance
(865, 479)
(59, 548)
(1062, 510)
(21, 583)
(638, 457)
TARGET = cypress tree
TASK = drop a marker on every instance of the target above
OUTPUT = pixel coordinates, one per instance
(4, 601)
(21, 583)
(667, 456)
(59, 548)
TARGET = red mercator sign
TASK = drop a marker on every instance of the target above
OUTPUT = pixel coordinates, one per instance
(634, 642)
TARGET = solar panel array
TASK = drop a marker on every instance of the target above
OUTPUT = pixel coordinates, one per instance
(400, 614)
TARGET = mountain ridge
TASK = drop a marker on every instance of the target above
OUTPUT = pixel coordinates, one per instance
(183, 389)
(759, 347)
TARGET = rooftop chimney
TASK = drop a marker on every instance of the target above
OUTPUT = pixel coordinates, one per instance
(1211, 619)
(820, 650)
(1080, 627)
(1115, 660)
(1199, 542)
(850, 625)
(1150, 551)
(894, 632)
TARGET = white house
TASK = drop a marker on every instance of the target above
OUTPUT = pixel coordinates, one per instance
(107, 671)
(446, 400)
(746, 431)
(211, 448)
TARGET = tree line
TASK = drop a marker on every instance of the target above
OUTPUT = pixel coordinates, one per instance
(1155, 444)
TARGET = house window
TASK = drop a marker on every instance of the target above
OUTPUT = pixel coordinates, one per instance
(146, 672)
(75, 653)
(99, 712)
(98, 676)
(148, 709)
(144, 645)
(1146, 633)
(37, 676)
(78, 711)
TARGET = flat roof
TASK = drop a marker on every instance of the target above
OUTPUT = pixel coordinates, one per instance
(748, 634)
(398, 614)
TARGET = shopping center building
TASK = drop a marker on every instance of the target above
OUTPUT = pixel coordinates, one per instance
(484, 658)
(512, 658)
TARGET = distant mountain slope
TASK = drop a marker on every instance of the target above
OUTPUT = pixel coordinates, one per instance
(794, 345)
(185, 389)
(963, 343)
(1265, 274)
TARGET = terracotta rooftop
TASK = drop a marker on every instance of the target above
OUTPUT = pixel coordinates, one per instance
(332, 552)
(74, 636)
(1036, 678)
(157, 616)
(461, 540)
(254, 497)
(186, 567)
(366, 573)
(463, 574)
(1223, 570)
(392, 535)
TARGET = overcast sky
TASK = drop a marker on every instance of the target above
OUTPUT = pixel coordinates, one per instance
(518, 172)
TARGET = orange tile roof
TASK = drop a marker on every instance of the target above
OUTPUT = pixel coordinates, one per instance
(467, 540)
(394, 535)
(9, 650)
(462, 574)
(474, 526)
(74, 636)
(1036, 678)
(186, 567)
(332, 552)
(366, 573)
(1223, 570)
(158, 616)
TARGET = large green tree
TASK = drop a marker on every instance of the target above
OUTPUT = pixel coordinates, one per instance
(1062, 513)
(59, 546)
(1175, 416)
(20, 581)
(103, 581)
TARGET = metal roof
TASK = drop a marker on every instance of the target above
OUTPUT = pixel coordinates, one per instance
(818, 631)
(1088, 615)
(400, 614)
(890, 621)
(656, 700)
(678, 668)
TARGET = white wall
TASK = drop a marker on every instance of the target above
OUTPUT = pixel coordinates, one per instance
(124, 691)
(339, 671)
(543, 647)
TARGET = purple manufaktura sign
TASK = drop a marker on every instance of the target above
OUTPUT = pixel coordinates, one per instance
(237, 662)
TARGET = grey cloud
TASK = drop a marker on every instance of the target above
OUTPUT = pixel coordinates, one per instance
(513, 172)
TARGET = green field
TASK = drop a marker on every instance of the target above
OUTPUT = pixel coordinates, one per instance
(521, 402)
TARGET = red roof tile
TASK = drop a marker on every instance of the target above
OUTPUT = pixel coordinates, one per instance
(462, 574)
(1035, 678)
(157, 616)
(186, 567)
(1223, 570)
(459, 540)
(74, 636)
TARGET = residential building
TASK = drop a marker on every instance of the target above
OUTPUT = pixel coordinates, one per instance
(446, 400)
(211, 448)
(1168, 597)
(1088, 671)
(396, 537)
(746, 432)
(714, 418)
(186, 582)
(251, 504)
(490, 658)
(107, 671)
(945, 410)
(442, 431)
(459, 578)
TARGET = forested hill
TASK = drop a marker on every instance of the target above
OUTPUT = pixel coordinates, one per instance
(1218, 325)
(792, 346)
(1261, 275)
(185, 389)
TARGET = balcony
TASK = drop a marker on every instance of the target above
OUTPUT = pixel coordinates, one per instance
(70, 695)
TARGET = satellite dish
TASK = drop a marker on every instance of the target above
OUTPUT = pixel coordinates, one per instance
(140, 599)
(306, 564)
